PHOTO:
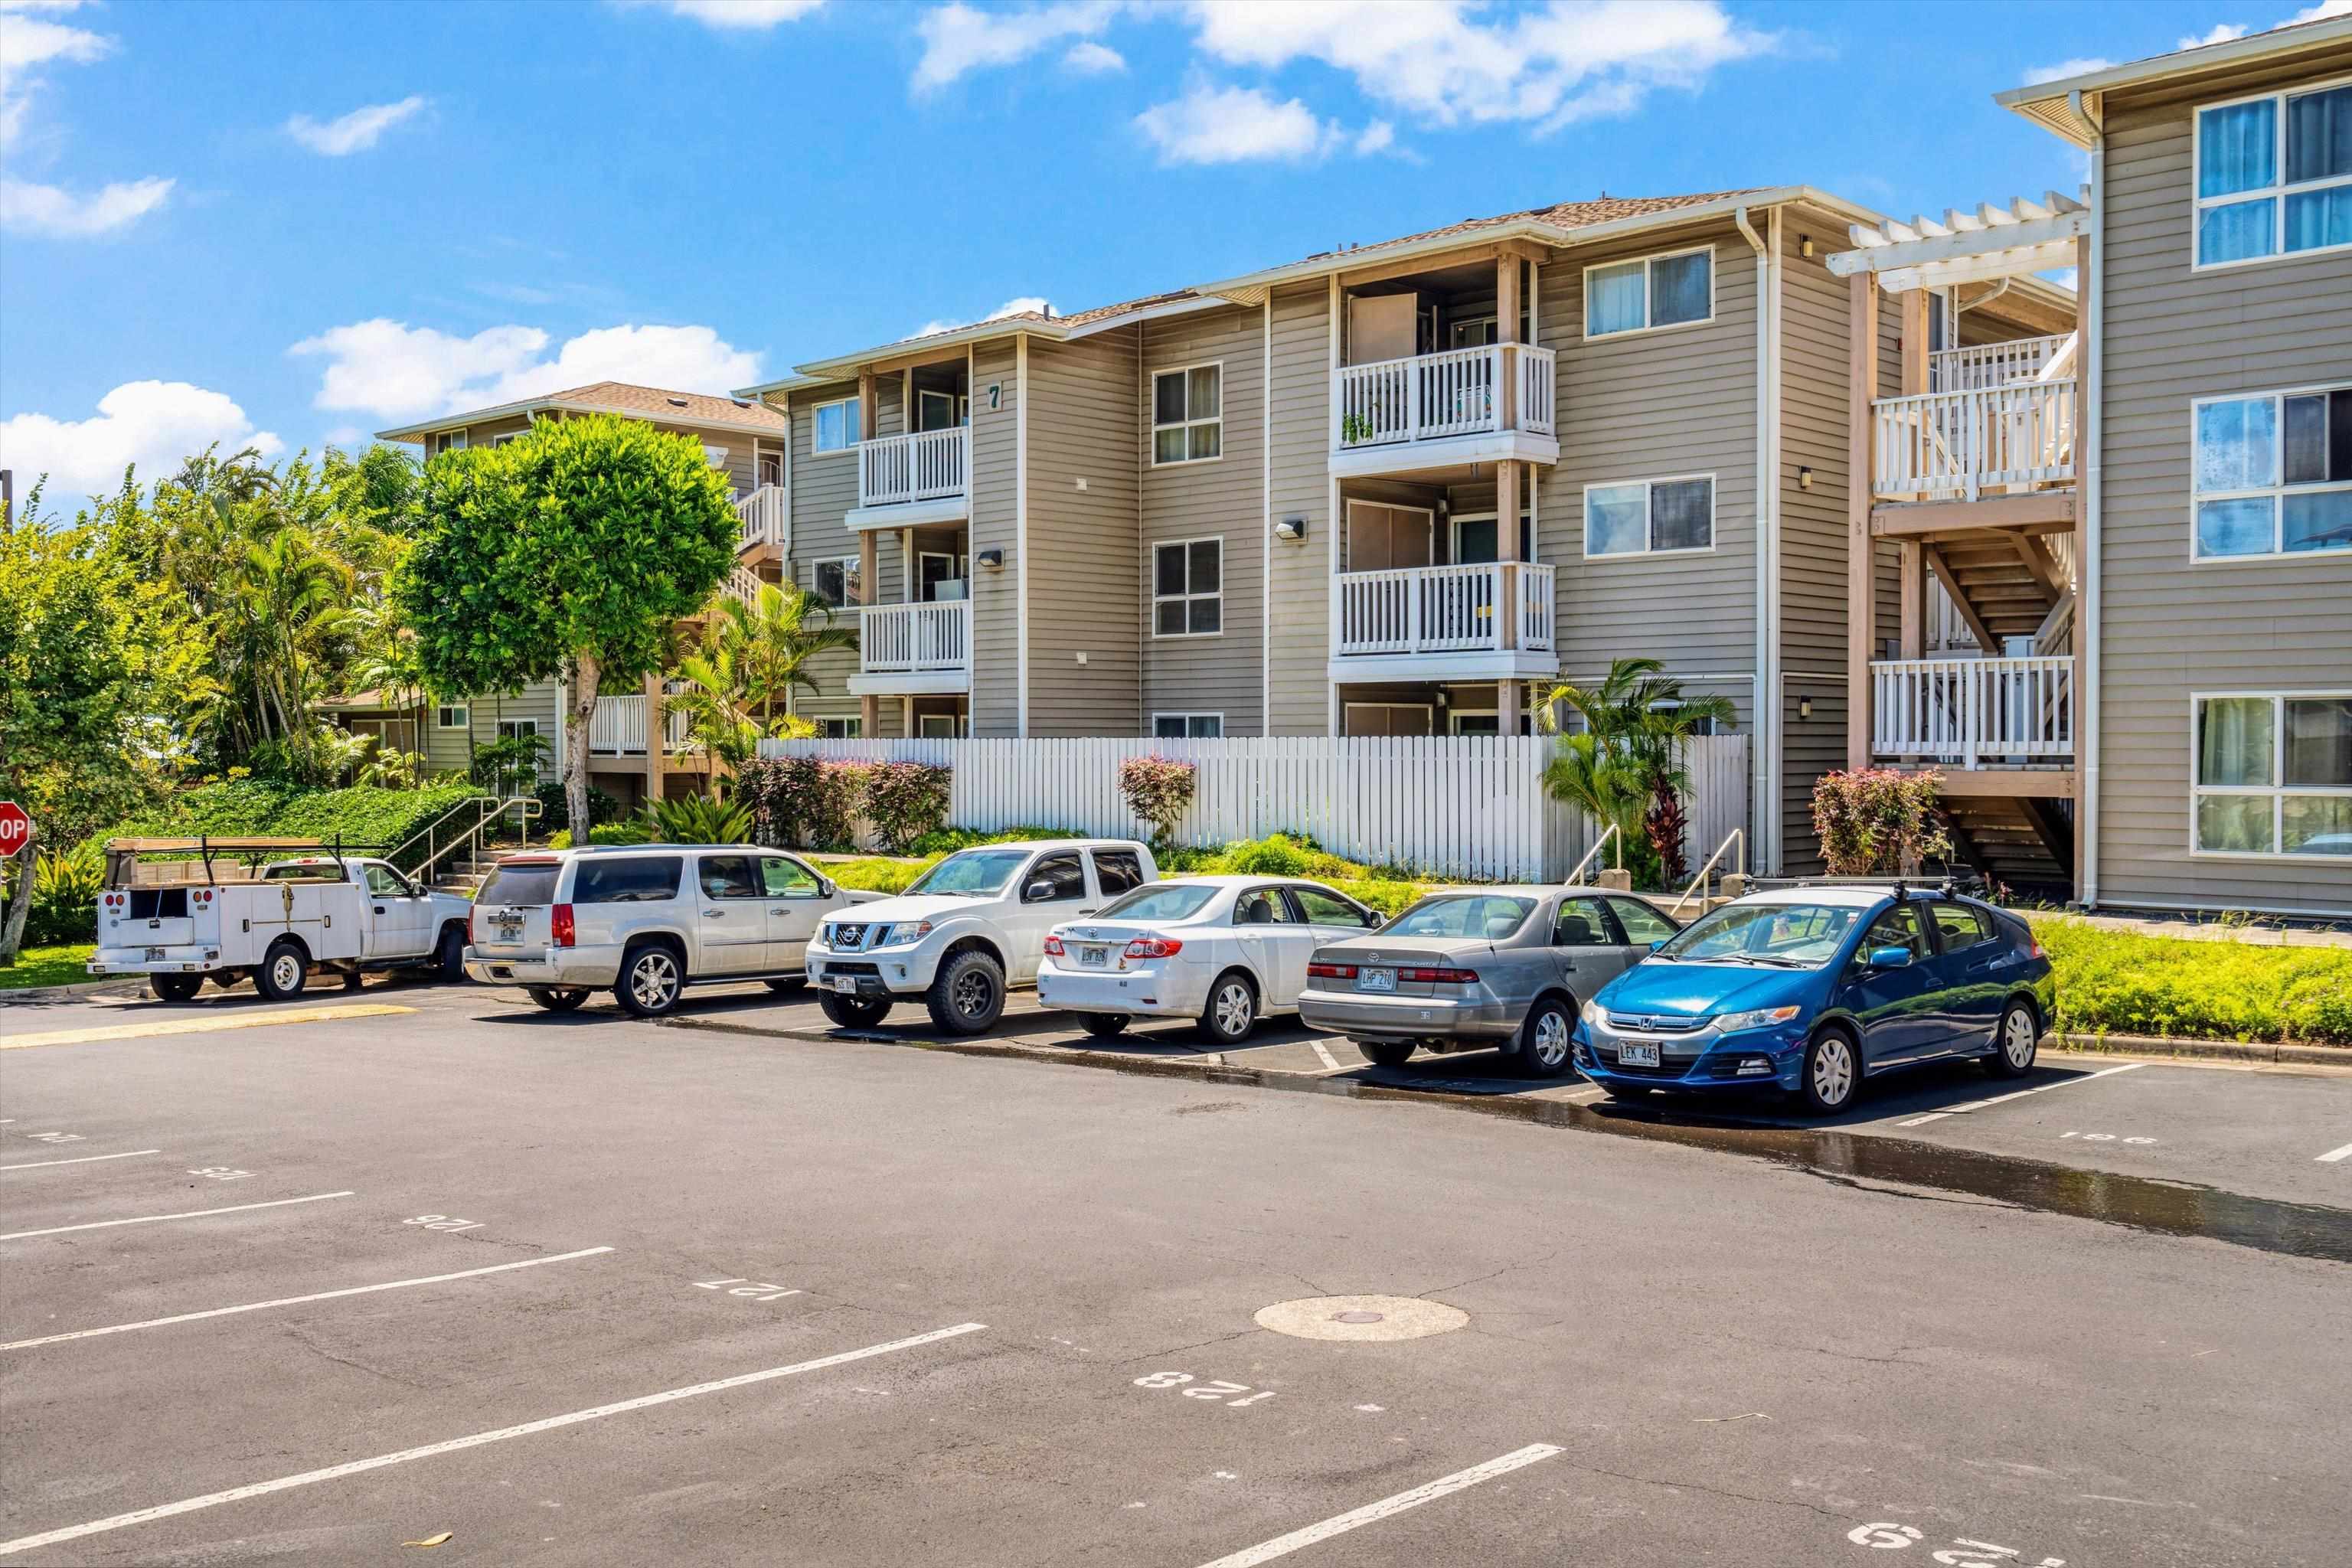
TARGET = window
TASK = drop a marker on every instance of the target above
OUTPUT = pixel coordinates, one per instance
(445, 441)
(503, 438)
(637, 880)
(1188, 726)
(1959, 926)
(514, 729)
(1643, 925)
(1580, 924)
(1675, 291)
(1898, 927)
(2274, 175)
(1160, 901)
(1188, 586)
(2273, 473)
(938, 726)
(2274, 774)
(839, 582)
(941, 410)
(1188, 414)
(787, 879)
(1064, 880)
(727, 877)
(1649, 517)
(526, 883)
(941, 576)
(840, 729)
(771, 468)
(1117, 871)
(1490, 916)
(452, 716)
(837, 426)
(1322, 907)
(1474, 539)
(387, 883)
(1477, 332)
(1263, 906)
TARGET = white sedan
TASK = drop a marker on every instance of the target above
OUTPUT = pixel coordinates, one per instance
(1225, 951)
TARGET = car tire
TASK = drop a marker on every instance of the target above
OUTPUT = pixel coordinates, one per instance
(176, 987)
(853, 1012)
(2014, 1041)
(353, 980)
(1548, 1039)
(557, 1001)
(1832, 1073)
(285, 970)
(449, 955)
(1103, 1025)
(1386, 1053)
(788, 985)
(652, 980)
(1230, 1012)
(967, 994)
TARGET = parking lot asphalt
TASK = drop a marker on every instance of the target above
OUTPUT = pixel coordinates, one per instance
(582, 1289)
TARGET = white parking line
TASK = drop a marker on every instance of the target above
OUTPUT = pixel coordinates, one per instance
(2336, 1156)
(2020, 1094)
(298, 1301)
(158, 1218)
(1428, 1492)
(549, 1423)
(83, 1159)
(1324, 1055)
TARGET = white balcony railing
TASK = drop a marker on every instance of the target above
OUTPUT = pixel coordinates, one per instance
(1430, 396)
(1971, 711)
(1437, 609)
(930, 465)
(766, 520)
(932, 635)
(678, 730)
(1942, 445)
(1986, 365)
(618, 727)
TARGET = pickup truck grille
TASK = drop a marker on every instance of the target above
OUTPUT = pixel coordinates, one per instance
(843, 936)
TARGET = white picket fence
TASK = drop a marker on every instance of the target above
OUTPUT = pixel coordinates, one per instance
(1469, 806)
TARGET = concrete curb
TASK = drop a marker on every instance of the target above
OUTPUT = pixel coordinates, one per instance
(2209, 1050)
(62, 992)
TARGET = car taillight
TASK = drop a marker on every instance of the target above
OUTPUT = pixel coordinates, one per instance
(1440, 976)
(1333, 971)
(1153, 947)
(2034, 950)
(472, 934)
(1053, 946)
(560, 925)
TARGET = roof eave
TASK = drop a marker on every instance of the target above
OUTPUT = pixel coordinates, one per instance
(549, 404)
(843, 367)
(2042, 101)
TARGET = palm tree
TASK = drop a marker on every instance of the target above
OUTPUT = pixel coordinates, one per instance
(1627, 767)
(741, 673)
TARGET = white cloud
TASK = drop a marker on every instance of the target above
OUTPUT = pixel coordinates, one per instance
(735, 15)
(357, 131)
(958, 38)
(2219, 33)
(391, 371)
(2062, 277)
(1092, 57)
(1234, 125)
(1439, 61)
(57, 213)
(2064, 69)
(28, 42)
(154, 424)
(2325, 9)
(1377, 137)
(1025, 304)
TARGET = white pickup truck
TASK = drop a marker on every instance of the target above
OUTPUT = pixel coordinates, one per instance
(180, 921)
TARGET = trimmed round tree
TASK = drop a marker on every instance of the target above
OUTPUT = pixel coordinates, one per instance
(566, 552)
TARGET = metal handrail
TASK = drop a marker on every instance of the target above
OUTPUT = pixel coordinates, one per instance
(1737, 836)
(1607, 834)
(487, 810)
(430, 829)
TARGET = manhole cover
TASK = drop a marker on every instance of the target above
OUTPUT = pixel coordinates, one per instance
(1362, 1318)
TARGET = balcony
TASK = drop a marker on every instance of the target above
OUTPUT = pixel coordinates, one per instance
(1423, 623)
(2000, 422)
(1464, 406)
(767, 520)
(1974, 712)
(906, 481)
(914, 650)
(618, 728)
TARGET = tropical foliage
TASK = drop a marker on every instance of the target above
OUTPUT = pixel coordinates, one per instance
(696, 820)
(1879, 821)
(1159, 790)
(1627, 767)
(738, 676)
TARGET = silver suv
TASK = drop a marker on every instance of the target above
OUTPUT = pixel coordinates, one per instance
(647, 920)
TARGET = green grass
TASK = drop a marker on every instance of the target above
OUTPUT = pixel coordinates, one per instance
(46, 966)
(2125, 983)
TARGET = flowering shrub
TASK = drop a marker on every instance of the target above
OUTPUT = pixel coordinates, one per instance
(905, 800)
(1876, 822)
(800, 800)
(1159, 790)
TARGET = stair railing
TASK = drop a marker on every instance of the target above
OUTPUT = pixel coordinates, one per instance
(486, 812)
(1737, 836)
(1575, 877)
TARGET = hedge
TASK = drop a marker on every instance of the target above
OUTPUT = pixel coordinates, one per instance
(2126, 983)
(366, 818)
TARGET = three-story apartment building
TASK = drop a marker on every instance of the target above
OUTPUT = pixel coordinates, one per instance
(1275, 504)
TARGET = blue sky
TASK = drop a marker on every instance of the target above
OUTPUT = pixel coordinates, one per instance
(296, 222)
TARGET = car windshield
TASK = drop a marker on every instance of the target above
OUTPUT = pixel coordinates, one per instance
(971, 873)
(1488, 915)
(1168, 901)
(1780, 936)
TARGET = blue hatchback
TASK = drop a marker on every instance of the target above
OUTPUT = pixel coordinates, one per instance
(1811, 990)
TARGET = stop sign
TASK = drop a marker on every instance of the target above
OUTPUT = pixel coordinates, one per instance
(16, 827)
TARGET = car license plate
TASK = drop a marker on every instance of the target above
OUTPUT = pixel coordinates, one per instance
(509, 926)
(1094, 958)
(1376, 980)
(1637, 1053)
(154, 952)
(845, 985)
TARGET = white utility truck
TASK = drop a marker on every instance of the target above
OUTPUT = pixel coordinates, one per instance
(272, 909)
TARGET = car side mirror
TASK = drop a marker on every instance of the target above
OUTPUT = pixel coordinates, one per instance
(1890, 958)
(827, 886)
(1037, 892)
(1375, 922)
(1657, 944)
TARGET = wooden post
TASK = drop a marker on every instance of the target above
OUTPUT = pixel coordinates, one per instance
(869, 591)
(869, 415)
(1862, 587)
(1507, 701)
(1914, 341)
(1507, 361)
(656, 728)
(1915, 600)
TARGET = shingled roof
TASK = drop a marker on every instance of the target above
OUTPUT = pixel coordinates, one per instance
(672, 407)
(1559, 214)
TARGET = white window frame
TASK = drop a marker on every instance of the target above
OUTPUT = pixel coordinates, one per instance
(959, 571)
(850, 566)
(1490, 320)
(1714, 516)
(509, 728)
(441, 711)
(956, 723)
(851, 729)
(2277, 790)
(1186, 718)
(2276, 192)
(503, 437)
(1453, 716)
(816, 425)
(2277, 493)
(1584, 323)
(958, 406)
(1151, 391)
(1186, 598)
(1429, 709)
(446, 441)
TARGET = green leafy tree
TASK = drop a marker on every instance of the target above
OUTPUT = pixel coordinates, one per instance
(751, 655)
(568, 551)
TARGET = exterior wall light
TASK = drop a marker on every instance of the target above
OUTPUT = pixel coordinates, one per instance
(993, 560)
(1291, 528)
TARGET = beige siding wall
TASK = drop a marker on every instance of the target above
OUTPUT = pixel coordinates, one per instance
(2172, 335)
(1298, 577)
(447, 749)
(824, 488)
(1223, 498)
(995, 596)
(1083, 575)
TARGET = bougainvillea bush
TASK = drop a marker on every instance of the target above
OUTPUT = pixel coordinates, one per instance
(904, 801)
(1879, 821)
(1160, 791)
